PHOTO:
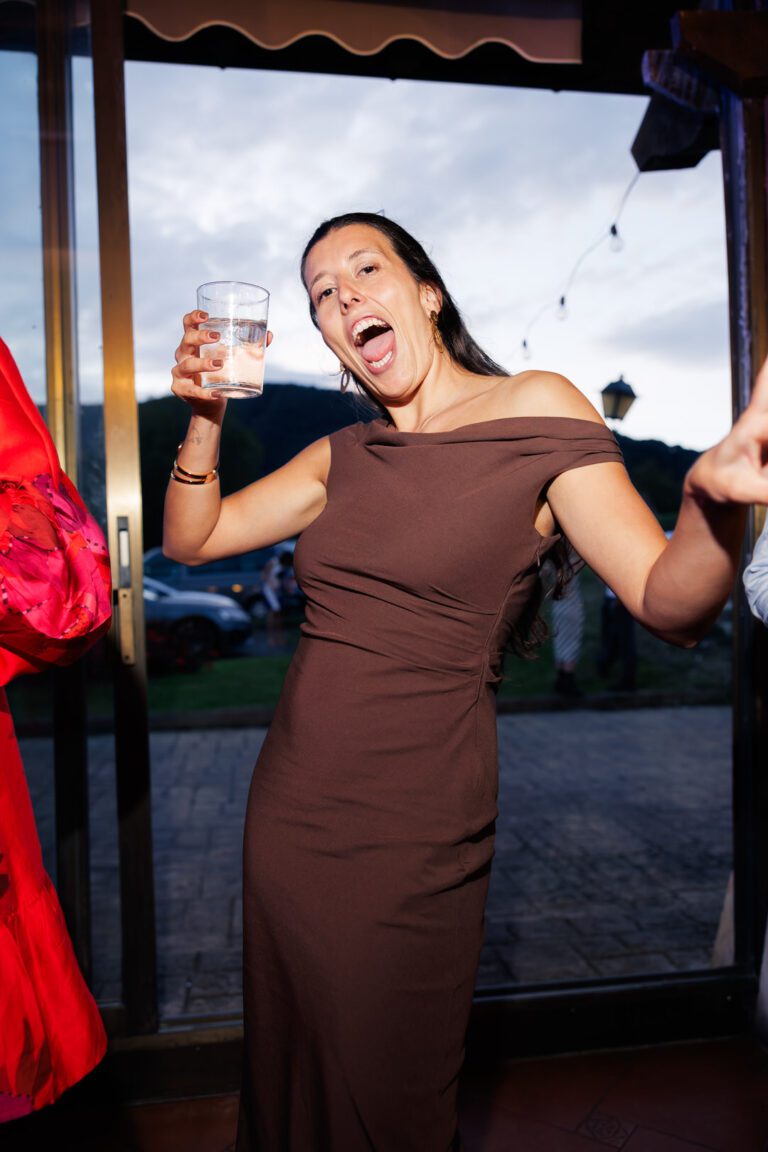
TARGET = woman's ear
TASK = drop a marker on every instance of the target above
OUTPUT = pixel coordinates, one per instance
(431, 298)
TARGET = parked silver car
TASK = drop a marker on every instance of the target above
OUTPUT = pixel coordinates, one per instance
(235, 576)
(185, 629)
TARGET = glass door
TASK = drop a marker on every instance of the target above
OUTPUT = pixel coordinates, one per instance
(623, 904)
(615, 864)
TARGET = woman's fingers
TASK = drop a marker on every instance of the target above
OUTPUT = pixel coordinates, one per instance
(190, 391)
(188, 367)
(193, 339)
(190, 347)
(185, 375)
(736, 469)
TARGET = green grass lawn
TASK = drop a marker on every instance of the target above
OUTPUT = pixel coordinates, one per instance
(250, 681)
(255, 681)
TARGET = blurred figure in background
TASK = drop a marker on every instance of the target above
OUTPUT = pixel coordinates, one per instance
(290, 593)
(567, 625)
(617, 642)
(270, 590)
(277, 585)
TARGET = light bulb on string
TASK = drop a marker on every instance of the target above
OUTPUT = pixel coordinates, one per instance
(616, 244)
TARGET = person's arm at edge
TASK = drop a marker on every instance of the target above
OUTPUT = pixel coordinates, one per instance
(756, 578)
(674, 588)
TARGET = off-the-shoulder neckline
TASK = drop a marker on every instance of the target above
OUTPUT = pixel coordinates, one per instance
(384, 426)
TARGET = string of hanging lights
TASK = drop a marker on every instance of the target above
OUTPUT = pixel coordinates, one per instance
(615, 243)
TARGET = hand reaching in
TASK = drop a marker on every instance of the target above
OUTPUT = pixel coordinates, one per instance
(735, 471)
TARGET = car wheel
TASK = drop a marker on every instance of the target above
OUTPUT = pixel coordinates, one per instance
(257, 608)
(195, 641)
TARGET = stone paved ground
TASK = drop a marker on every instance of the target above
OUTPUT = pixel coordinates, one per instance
(613, 849)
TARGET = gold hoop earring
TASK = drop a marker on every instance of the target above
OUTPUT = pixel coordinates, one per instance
(346, 377)
(436, 334)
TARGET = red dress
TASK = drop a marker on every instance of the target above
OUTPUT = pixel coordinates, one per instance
(54, 602)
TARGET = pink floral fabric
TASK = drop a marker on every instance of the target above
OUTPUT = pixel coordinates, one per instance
(54, 573)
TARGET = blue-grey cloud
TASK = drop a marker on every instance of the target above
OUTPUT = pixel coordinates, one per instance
(694, 334)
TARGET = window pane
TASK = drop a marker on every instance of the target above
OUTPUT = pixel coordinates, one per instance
(613, 850)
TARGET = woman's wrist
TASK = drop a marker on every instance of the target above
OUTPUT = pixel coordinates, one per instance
(184, 476)
(710, 516)
(200, 444)
(198, 453)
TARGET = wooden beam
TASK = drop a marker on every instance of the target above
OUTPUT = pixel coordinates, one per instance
(731, 47)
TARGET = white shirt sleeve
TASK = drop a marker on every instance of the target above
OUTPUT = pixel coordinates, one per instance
(756, 578)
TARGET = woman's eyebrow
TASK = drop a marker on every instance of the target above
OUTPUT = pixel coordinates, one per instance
(316, 278)
(352, 256)
(362, 252)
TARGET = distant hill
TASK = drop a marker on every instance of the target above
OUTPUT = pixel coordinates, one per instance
(287, 417)
(657, 470)
(261, 435)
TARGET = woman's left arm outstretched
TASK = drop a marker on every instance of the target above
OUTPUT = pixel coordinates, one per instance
(675, 588)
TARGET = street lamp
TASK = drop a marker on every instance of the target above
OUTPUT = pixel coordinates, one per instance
(618, 398)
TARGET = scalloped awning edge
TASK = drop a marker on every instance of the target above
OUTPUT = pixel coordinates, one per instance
(365, 29)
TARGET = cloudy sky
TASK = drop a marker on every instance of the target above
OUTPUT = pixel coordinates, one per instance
(230, 171)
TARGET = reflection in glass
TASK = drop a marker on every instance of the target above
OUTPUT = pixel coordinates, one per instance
(105, 874)
(22, 323)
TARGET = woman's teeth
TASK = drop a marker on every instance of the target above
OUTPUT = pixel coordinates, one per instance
(363, 325)
(384, 360)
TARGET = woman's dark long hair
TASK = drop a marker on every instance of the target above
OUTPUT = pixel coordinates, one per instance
(531, 629)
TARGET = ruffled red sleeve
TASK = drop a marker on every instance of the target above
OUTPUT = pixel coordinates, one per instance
(55, 593)
(54, 575)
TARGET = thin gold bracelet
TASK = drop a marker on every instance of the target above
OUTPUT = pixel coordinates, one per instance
(182, 476)
(196, 483)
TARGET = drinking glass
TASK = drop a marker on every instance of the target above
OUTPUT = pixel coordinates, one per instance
(238, 312)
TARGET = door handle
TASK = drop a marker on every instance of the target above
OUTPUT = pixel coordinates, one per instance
(125, 615)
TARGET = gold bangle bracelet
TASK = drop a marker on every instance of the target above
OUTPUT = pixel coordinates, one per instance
(207, 479)
(185, 477)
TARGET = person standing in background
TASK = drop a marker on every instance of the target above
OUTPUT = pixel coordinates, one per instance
(271, 591)
(567, 625)
(617, 642)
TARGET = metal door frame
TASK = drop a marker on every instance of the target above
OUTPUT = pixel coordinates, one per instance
(541, 1019)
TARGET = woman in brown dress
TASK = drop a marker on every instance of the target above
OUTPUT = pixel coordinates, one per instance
(370, 823)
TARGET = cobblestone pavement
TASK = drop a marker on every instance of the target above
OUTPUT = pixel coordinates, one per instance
(613, 849)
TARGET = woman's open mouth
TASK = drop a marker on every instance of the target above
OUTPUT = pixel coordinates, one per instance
(376, 342)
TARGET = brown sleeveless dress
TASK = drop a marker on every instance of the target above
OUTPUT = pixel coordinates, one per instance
(370, 824)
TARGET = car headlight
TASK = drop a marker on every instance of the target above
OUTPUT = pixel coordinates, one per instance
(234, 614)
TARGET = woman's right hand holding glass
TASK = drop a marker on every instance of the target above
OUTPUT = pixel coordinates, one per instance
(189, 364)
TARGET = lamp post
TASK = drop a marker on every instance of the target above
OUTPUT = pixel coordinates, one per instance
(618, 398)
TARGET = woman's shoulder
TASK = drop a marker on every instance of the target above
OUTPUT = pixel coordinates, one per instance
(351, 434)
(537, 393)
